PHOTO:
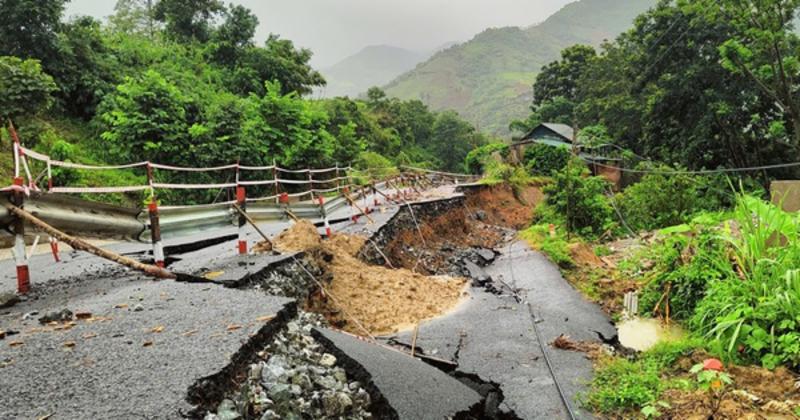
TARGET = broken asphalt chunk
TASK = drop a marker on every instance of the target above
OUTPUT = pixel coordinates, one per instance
(65, 315)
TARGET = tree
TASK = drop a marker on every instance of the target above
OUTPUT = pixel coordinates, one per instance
(134, 17)
(278, 61)
(764, 46)
(560, 78)
(238, 29)
(86, 70)
(376, 97)
(453, 138)
(661, 91)
(24, 88)
(28, 28)
(147, 119)
(288, 129)
(188, 20)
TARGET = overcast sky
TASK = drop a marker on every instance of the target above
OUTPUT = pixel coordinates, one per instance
(334, 29)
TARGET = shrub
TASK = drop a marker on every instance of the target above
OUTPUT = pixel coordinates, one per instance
(620, 385)
(24, 88)
(685, 262)
(581, 199)
(375, 165)
(660, 200)
(475, 162)
(555, 247)
(541, 159)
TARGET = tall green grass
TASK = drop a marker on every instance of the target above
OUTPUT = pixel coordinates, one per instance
(752, 313)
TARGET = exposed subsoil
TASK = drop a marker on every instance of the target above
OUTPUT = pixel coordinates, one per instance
(501, 206)
(599, 276)
(439, 245)
(358, 296)
(756, 393)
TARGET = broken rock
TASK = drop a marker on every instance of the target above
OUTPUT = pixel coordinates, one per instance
(327, 360)
(8, 300)
(65, 315)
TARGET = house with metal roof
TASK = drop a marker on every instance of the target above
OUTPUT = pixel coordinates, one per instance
(551, 134)
(602, 160)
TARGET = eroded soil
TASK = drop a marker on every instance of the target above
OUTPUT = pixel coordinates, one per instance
(366, 299)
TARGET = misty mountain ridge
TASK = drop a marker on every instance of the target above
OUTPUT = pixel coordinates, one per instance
(374, 65)
(489, 79)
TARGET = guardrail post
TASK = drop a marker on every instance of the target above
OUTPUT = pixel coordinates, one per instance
(155, 233)
(241, 200)
(337, 179)
(54, 248)
(18, 199)
(23, 272)
(155, 226)
(324, 212)
(283, 198)
(375, 195)
(277, 185)
(310, 184)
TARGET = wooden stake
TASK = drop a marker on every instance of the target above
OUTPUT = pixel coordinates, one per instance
(81, 245)
(353, 203)
(252, 223)
(414, 340)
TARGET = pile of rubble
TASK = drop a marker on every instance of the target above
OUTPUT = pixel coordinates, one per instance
(296, 379)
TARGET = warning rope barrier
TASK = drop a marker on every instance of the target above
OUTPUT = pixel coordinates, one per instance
(23, 152)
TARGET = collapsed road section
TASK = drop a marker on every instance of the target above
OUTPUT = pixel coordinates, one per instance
(256, 336)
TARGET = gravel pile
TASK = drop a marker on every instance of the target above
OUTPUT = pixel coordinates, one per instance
(296, 379)
(290, 280)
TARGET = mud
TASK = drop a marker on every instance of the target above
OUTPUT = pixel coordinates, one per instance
(756, 393)
(361, 298)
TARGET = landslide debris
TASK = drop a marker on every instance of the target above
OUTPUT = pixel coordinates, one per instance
(381, 300)
(294, 378)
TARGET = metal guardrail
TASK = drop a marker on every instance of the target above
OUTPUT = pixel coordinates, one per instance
(92, 219)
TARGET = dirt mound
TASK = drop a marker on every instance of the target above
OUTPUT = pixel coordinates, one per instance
(385, 300)
(300, 237)
(380, 299)
(584, 255)
(503, 207)
(345, 244)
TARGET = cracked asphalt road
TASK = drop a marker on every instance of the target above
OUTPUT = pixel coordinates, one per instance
(493, 337)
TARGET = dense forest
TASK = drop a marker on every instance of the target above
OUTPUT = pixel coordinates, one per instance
(694, 83)
(186, 83)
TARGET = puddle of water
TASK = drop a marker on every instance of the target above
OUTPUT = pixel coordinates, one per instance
(643, 333)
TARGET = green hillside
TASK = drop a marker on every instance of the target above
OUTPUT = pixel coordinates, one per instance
(373, 66)
(488, 79)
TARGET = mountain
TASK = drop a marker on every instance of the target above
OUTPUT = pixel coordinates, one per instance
(373, 66)
(488, 79)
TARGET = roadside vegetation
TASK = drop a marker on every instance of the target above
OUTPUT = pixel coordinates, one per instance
(188, 84)
(693, 87)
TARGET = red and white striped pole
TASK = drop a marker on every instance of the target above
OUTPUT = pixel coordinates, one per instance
(324, 212)
(155, 233)
(54, 248)
(23, 273)
(155, 226)
(241, 200)
(283, 198)
(18, 199)
(353, 213)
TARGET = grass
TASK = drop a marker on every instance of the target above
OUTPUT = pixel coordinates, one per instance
(555, 246)
(624, 387)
